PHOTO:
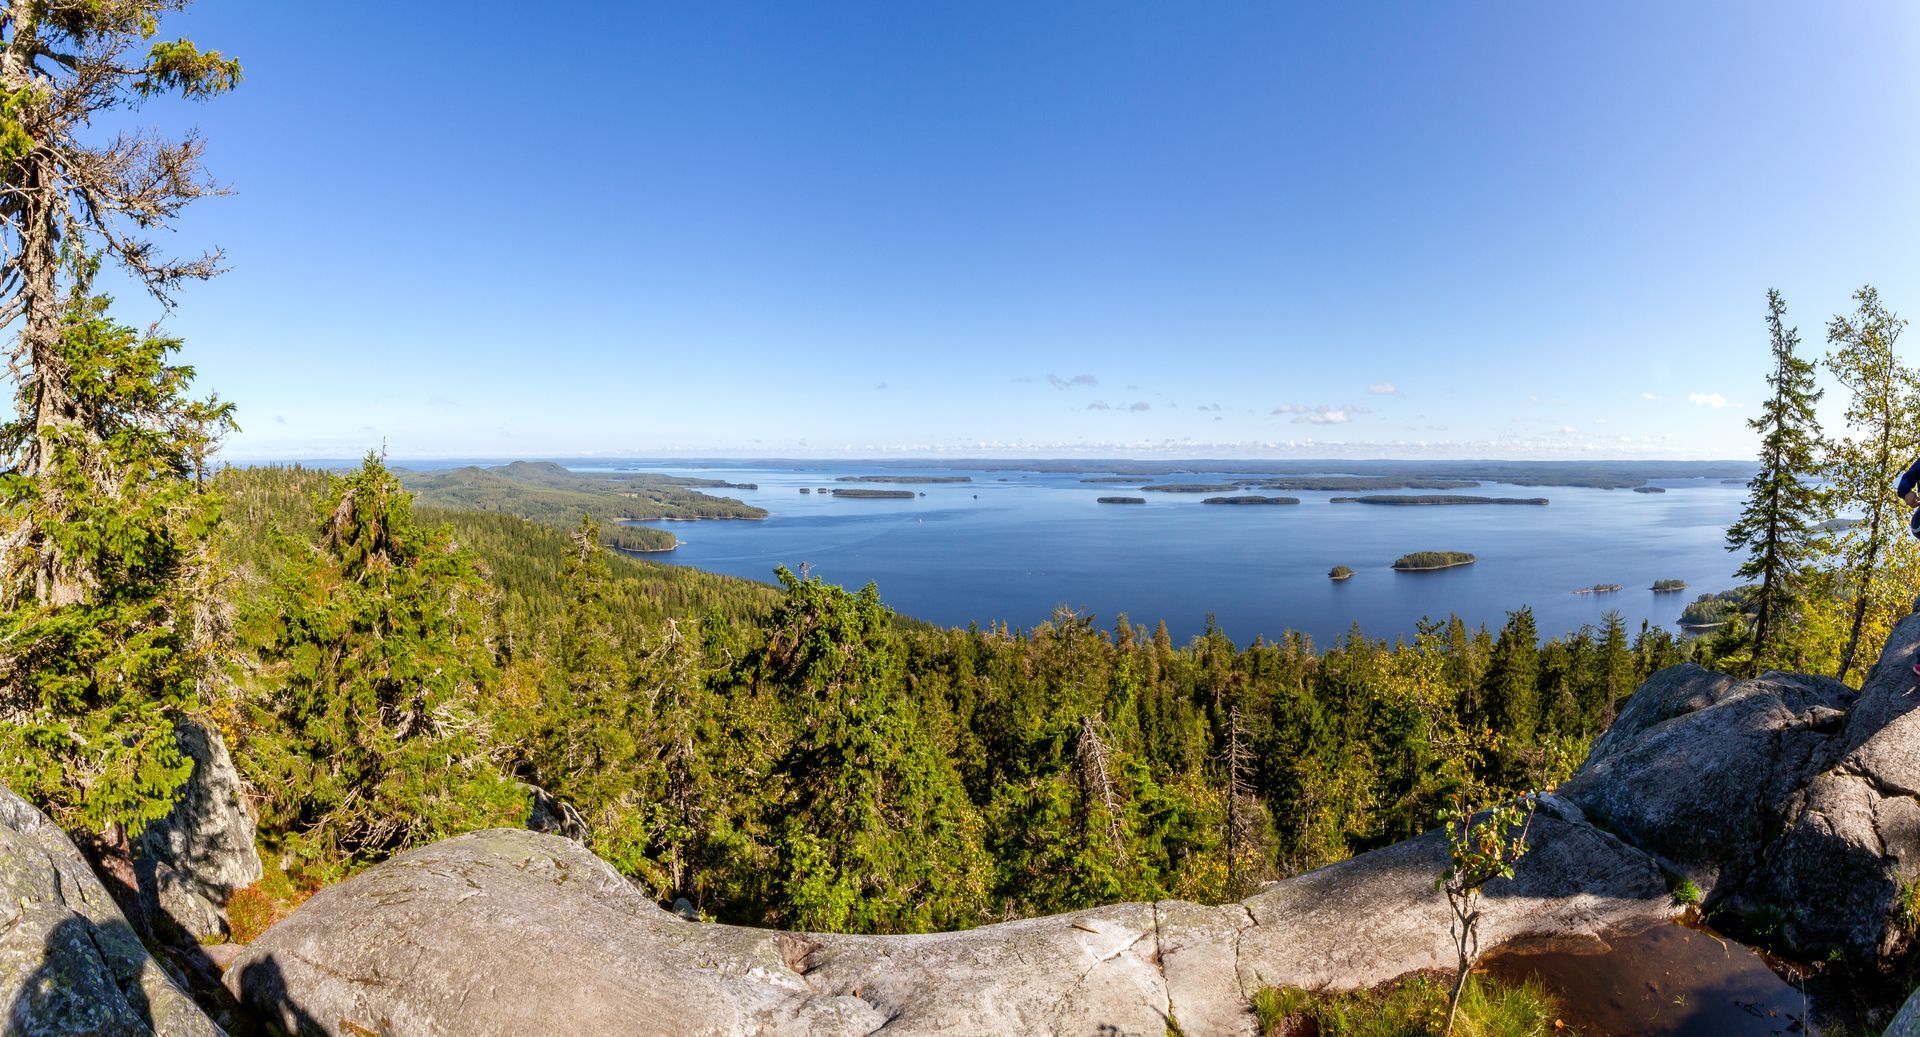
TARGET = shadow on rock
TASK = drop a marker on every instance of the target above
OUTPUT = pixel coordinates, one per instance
(263, 987)
(72, 990)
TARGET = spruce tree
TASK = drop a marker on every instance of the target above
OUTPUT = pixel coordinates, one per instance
(103, 598)
(364, 735)
(1883, 423)
(1779, 529)
(874, 831)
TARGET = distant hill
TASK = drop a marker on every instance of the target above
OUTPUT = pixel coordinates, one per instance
(547, 493)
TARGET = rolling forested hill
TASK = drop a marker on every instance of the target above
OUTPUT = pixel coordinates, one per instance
(553, 496)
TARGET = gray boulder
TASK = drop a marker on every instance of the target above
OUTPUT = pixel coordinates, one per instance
(190, 862)
(1788, 797)
(467, 936)
(69, 962)
(1907, 1023)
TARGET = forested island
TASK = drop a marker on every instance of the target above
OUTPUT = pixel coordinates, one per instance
(1355, 483)
(1590, 474)
(906, 479)
(1111, 479)
(1420, 561)
(1193, 487)
(1649, 489)
(1668, 586)
(1340, 572)
(1120, 500)
(1599, 588)
(1432, 499)
(1251, 499)
(863, 494)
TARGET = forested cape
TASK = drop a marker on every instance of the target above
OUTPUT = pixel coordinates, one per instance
(801, 756)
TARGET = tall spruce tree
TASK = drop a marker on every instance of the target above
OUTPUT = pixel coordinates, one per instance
(102, 537)
(1779, 529)
(1883, 435)
(92, 683)
(363, 733)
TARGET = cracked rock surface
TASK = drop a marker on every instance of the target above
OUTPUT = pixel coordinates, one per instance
(69, 963)
(505, 931)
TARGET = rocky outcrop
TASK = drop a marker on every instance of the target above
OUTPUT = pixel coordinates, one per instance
(1907, 1023)
(69, 962)
(1787, 798)
(190, 862)
(467, 936)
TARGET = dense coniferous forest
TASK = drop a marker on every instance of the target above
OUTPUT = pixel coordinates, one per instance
(802, 756)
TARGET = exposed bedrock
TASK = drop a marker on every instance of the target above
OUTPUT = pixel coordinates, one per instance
(501, 932)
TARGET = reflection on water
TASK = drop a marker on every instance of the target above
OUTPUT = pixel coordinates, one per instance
(1669, 981)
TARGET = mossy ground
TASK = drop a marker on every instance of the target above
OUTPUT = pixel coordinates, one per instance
(1411, 1007)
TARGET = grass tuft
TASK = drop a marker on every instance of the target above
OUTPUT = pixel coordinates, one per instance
(1412, 1007)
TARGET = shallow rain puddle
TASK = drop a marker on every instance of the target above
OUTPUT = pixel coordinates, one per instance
(1669, 981)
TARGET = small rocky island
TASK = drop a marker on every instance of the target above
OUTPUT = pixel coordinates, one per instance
(1649, 489)
(1405, 500)
(1339, 572)
(1423, 561)
(1121, 500)
(1251, 499)
(1669, 586)
(1193, 487)
(1599, 588)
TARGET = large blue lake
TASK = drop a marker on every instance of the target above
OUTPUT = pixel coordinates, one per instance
(1014, 546)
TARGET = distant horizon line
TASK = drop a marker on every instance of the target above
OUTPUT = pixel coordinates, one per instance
(973, 460)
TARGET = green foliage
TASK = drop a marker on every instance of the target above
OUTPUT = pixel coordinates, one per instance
(1412, 1007)
(105, 502)
(361, 731)
(1878, 563)
(802, 756)
(1779, 530)
(1906, 908)
(180, 67)
(1480, 848)
(875, 830)
(1686, 892)
(1433, 560)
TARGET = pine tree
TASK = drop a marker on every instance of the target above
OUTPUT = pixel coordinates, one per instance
(1512, 694)
(1883, 421)
(1779, 529)
(104, 595)
(364, 735)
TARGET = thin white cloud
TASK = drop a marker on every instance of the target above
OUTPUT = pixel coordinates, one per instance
(1708, 399)
(1067, 383)
(1384, 389)
(1648, 396)
(1098, 405)
(1140, 406)
(880, 386)
(1320, 414)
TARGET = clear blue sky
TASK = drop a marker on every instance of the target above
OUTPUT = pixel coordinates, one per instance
(1415, 229)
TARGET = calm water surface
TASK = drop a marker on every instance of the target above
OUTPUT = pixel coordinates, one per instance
(1014, 546)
